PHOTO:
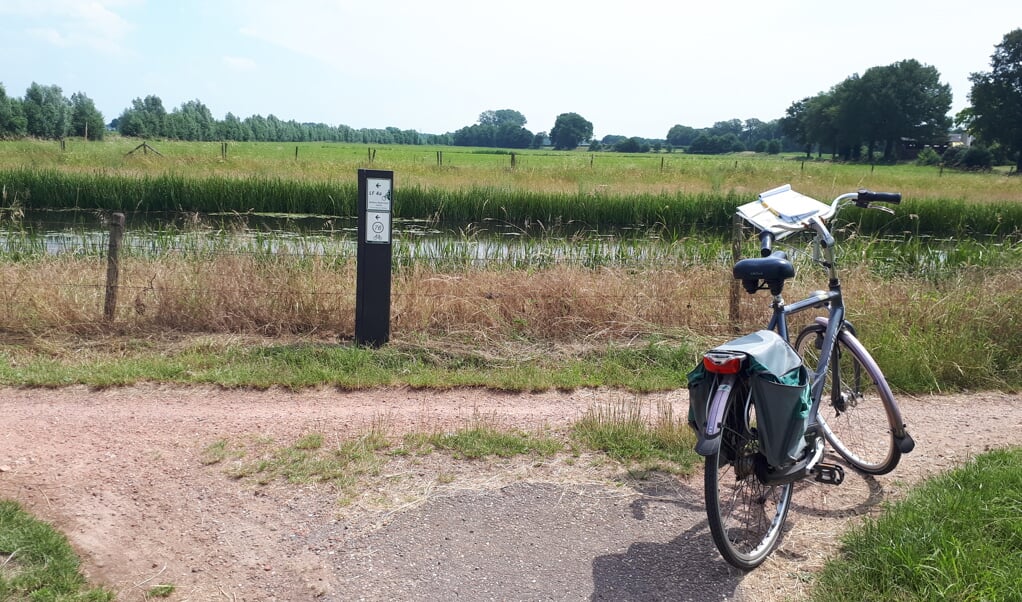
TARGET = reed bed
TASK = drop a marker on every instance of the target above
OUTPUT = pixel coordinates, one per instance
(679, 213)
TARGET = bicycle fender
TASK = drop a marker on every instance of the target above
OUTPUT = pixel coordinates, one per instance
(708, 439)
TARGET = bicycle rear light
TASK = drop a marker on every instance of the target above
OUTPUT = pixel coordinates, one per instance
(723, 363)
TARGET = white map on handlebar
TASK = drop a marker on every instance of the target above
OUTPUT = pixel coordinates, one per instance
(782, 211)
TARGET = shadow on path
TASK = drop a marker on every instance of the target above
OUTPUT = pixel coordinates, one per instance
(687, 567)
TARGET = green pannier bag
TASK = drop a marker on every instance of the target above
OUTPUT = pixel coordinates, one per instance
(780, 392)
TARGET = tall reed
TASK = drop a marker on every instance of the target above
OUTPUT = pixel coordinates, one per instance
(682, 213)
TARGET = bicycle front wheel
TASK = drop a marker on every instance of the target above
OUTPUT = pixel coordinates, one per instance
(857, 410)
(745, 516)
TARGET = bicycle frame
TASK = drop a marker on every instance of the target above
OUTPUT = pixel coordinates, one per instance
(823, 253)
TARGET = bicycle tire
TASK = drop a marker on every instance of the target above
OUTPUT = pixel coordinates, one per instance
(860, 421)
(745, 516)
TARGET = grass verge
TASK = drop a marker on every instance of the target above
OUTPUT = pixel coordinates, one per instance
(37, 563)
(957, 537)
(260, 364)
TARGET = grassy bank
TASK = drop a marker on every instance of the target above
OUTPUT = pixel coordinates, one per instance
(242, 320)
(957, 537)
(37, 563)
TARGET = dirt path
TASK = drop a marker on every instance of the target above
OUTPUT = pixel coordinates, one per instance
(119, 471)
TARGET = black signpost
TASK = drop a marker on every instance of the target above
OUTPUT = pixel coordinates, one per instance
(372, 286)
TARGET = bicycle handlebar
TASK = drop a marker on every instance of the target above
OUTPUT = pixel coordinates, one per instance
(868, 196)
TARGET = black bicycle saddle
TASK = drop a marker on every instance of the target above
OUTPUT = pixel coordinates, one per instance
(773, 270)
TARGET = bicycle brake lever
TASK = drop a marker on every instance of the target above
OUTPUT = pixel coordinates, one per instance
(881, 208)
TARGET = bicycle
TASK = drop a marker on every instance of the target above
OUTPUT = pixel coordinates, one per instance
(763, 409)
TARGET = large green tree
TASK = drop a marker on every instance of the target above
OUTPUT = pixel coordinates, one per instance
(681, 135)
(47, 112)
(570, 130)
(501, 129)
(903, 100)
(192, 121)
(996, 112)
(86, 120)
(146, 118)
(502, 117)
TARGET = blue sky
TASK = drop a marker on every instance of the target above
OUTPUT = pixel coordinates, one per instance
(632, 68)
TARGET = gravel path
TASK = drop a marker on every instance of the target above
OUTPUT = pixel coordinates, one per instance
(120, 472)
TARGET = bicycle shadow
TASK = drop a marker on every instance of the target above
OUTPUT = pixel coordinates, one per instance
(687, 567)
(857, 495)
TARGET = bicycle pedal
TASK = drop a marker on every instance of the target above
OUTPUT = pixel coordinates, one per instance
(830, 474)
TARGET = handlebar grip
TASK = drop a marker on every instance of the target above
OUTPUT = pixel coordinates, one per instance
(868, 196)
(766, 242)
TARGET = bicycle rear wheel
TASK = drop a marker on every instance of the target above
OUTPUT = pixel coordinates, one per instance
(857, 410)
(745, 516)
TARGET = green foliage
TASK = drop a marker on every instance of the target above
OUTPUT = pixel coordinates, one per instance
(13, 123)
(955, 538)
(996, 95)
(928, 156)
(147, 118)
(716, 145)
(53, 189)
(632, 145)
(47, 112)
(682, 135)
(901, 100)
(86, 120)
(570, 130)
(975, 157)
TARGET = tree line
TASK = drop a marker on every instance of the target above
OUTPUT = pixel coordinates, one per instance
(45, 112)
(888, 112)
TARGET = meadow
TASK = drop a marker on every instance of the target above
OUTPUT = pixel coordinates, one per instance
(564, 260)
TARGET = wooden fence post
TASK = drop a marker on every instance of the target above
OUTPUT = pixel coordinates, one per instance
(734, 306)
(113, 265)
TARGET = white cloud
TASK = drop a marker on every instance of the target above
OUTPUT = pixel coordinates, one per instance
(92, 24)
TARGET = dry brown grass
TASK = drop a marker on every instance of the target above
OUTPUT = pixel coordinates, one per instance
(247, 295)
(315, 297)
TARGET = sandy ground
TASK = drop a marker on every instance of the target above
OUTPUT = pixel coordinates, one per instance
(120, 472)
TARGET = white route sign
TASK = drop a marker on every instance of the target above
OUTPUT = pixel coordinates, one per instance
(378, 226)
(378, 194)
